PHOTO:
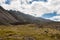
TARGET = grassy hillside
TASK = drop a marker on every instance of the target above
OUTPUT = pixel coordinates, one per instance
(28, 32)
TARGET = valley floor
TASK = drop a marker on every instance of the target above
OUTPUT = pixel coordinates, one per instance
(28, 32)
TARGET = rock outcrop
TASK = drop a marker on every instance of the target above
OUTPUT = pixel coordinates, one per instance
(6, 17)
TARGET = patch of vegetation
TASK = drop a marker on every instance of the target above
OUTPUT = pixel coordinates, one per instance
(28, 32)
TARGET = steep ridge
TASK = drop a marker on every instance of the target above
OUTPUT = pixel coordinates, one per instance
(23, 18)
(5, 17)
(16, 17)
(12, 17)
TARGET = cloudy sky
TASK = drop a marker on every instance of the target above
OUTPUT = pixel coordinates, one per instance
(49, 9)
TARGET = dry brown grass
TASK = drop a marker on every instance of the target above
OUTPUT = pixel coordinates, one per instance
(28, 32)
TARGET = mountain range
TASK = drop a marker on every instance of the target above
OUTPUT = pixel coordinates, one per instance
(16, 17)
(12, 17)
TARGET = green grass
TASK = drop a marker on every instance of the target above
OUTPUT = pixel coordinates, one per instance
(28, 32)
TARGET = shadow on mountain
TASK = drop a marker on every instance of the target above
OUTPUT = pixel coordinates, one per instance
(15, 18)
(12, 17)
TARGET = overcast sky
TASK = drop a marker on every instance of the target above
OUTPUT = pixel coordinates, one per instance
(49, 9)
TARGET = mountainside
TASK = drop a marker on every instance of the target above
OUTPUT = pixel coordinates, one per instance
(16, 17)
(22, 26)
(5, 17)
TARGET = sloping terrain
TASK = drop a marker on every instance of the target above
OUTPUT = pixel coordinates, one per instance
(12, 17)
(16, 17)
(5, 17)
(15, 25)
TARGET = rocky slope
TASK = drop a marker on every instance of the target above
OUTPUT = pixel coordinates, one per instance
(16, 17)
